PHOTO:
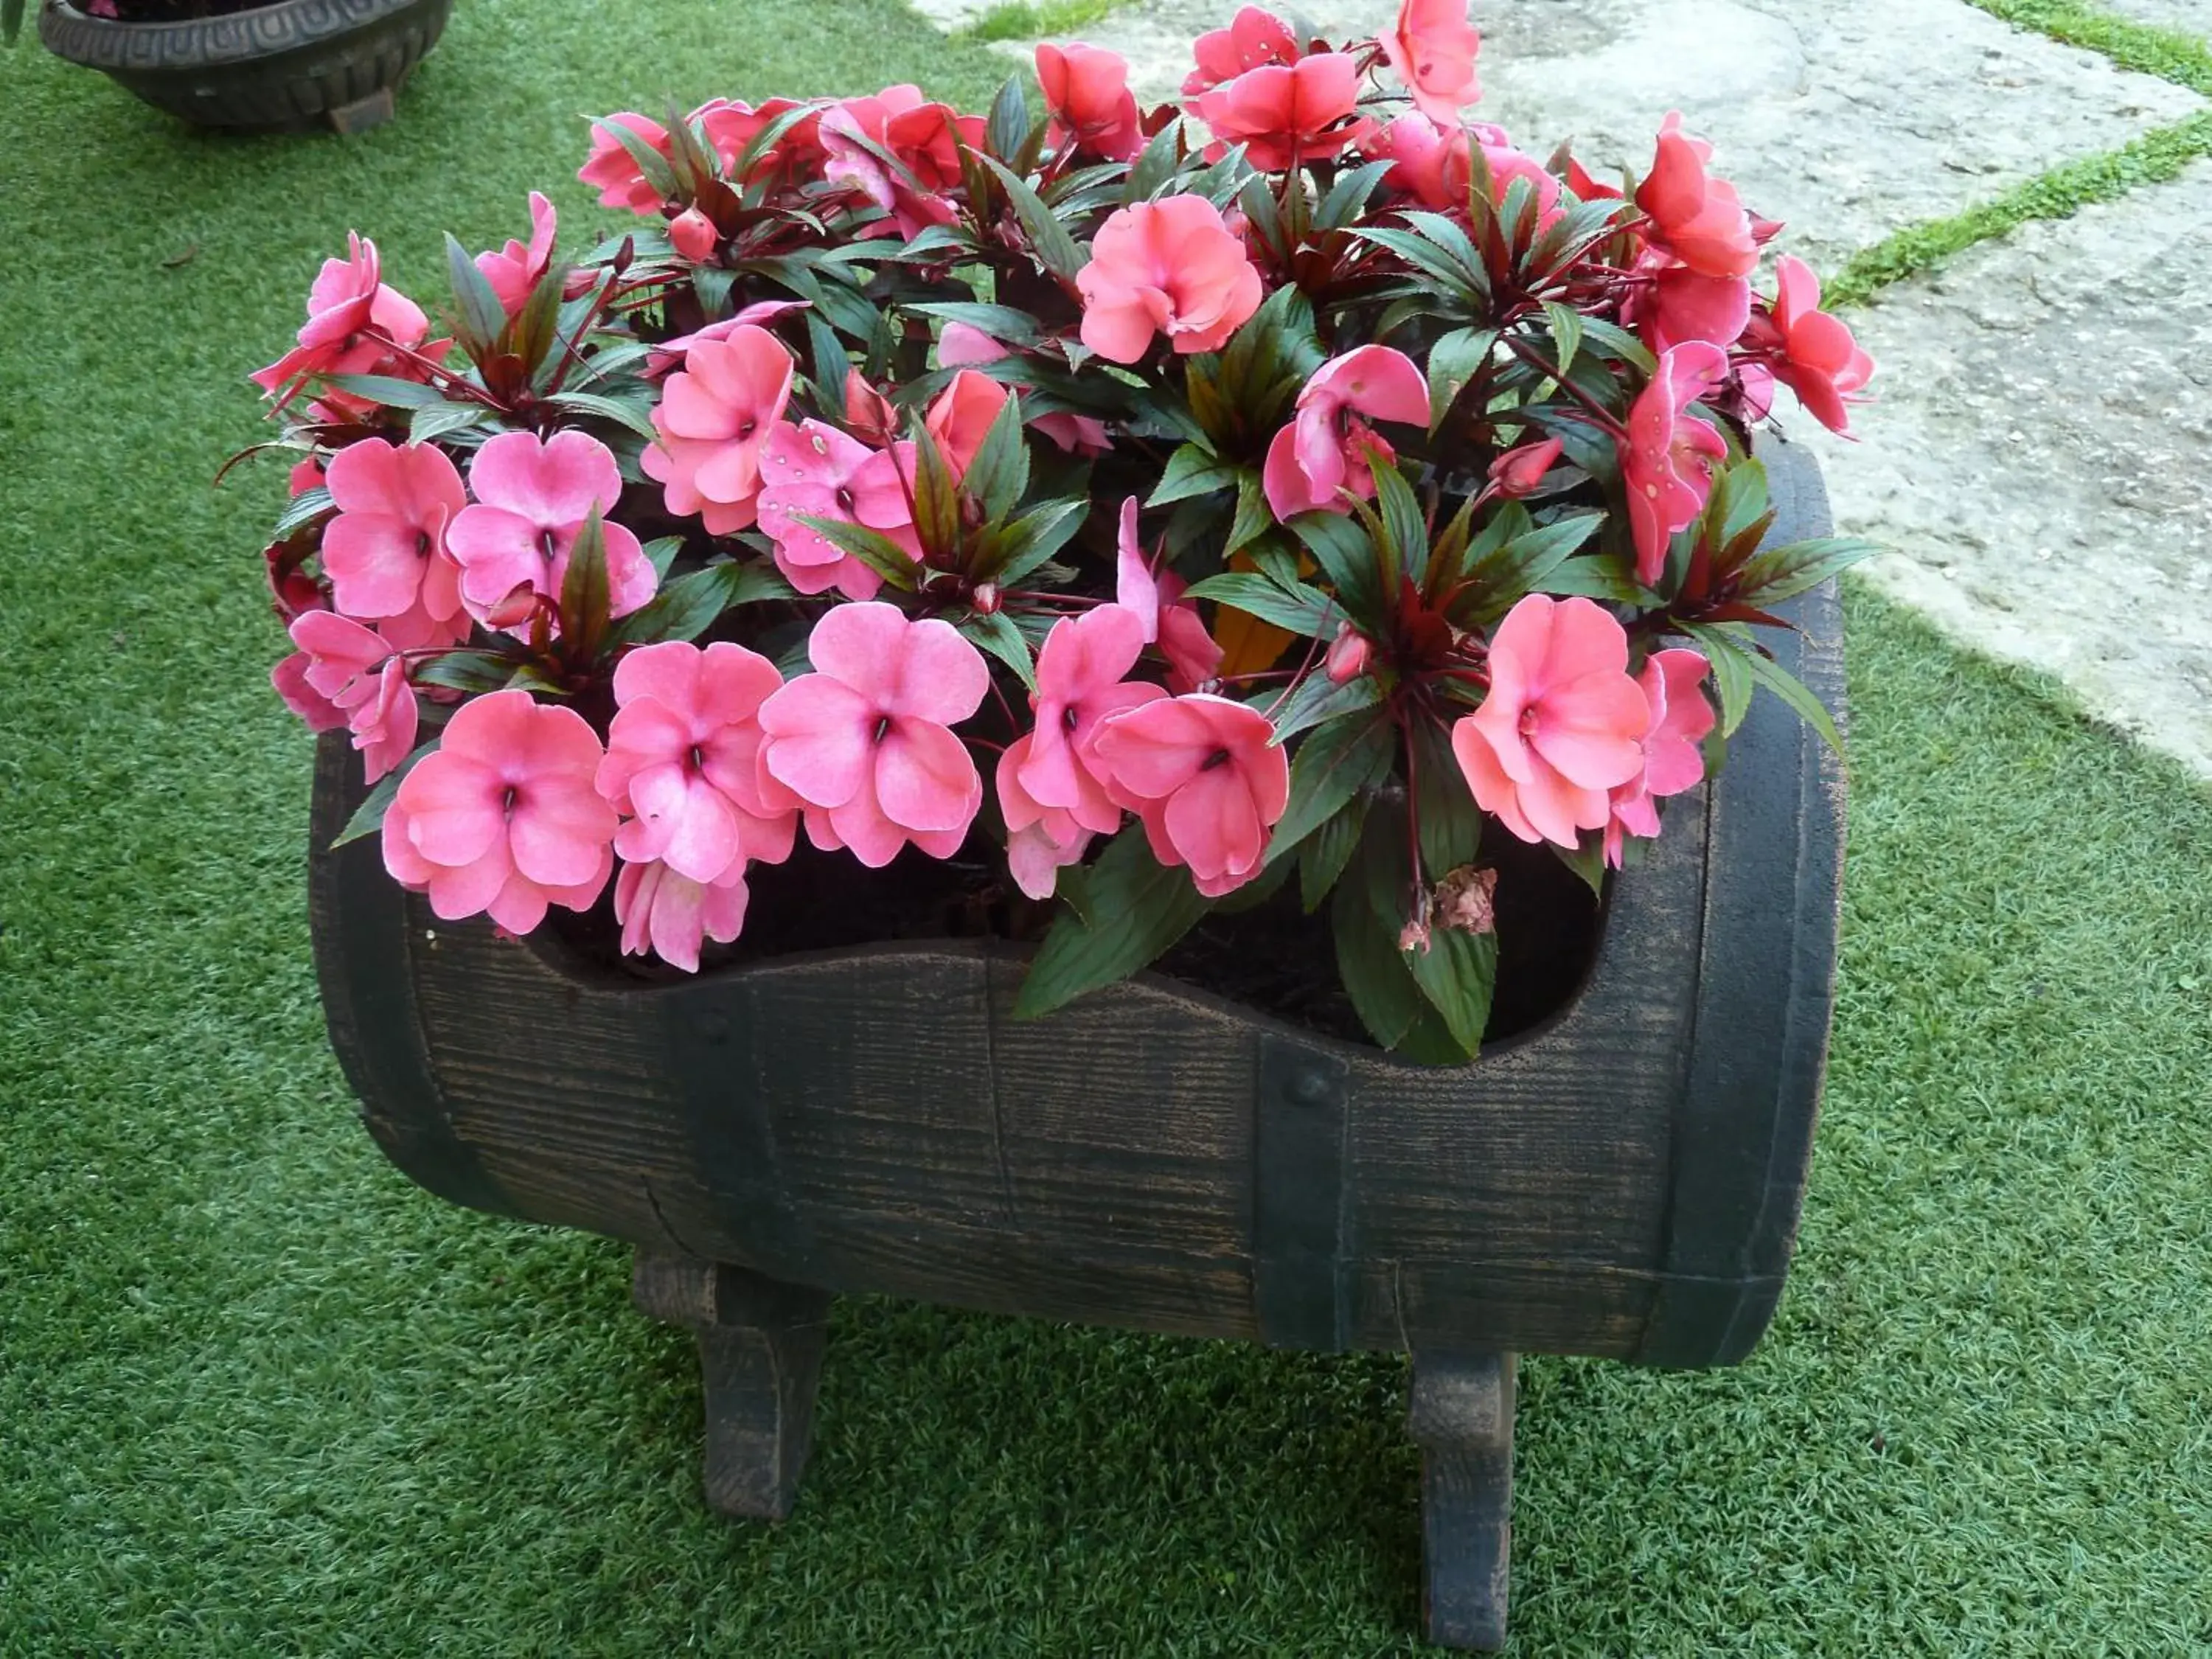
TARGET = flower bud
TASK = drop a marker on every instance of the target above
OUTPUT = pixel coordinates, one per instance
(1521, 472)
(985, 598)
(694, 234)
(1348, 653)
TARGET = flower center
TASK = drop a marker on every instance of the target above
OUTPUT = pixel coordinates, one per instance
(746, 430)
(547, 547)
(1070, 717)
(698, 758)
(1218, 758)
(1529, 721)
(882, 729)
(422, 544)
(507, 801)
(844, 498)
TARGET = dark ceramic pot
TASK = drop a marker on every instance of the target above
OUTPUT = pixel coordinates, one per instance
(292, 67)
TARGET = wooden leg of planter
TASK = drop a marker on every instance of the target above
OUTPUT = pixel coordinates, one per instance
(363, 114)
(1462, 1415)
(760, 1352)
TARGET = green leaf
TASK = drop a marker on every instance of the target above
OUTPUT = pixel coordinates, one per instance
(473, 671)
(304, 509)
(1335, 762)
(1035, 536)
(388, 390)
(1566, 331)
(586, 593)
(832, 362)
(434, 421)
(1453, 362)
(1002, 322)
(650, 161)
(1347, 197)
(1007, 130)
(690, 605)
(1523, 566)
(1048, 238)
(1586, 859)
(481, 317)
(1795, 692)
(1784, 573)
(1450, 823)
(660, 552)
(1303, 610)
(1323, 854)
(1341, 545)
(1137, 910)
(1425, 256)
(1254, 517)
(996, 634)
(1000, 472)
(1448, 236)
(1405, 529)
(368, 818)
(1374, 975)
(871, 547)
(936, 494)
(1458, 974)
(1606, 576)
(1611, 340)
(1316, 698)
(1155, 166)
(1193, 470)
(1731, 671)
(620, 410)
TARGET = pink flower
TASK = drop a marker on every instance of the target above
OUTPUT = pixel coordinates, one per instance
(1206, 777)
(922, 141)
(1075, 434)
(1168, 620)
(665, 354)
(1081, 680)
(866, 741)
(1348, 655)
(516, 270)
(1521, 472)
(1040, 840)
(502, 816)
(384, 553)
(533, 496)
(1253, 38)
(693, 235)
(1698, 219)
(1323, 450)
(289, 677)
(1667, 461)
(1286, 114)
(1432, 49)
(714, 418)
(1807, 349)
(869, 415)
(682, 757)
(1087, 91)
(960, 418)
(671, 915)
(731, 125)
(613, 172)
(1169, 267)
(354, 323)
(1680, 717)
(1434, 164)
(356, 674)
(1562, 725)
(814, 471)
(1680, 304)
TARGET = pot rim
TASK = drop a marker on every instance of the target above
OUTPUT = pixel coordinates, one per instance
(106, 43)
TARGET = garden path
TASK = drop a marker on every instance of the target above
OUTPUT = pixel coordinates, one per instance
(2040, 449)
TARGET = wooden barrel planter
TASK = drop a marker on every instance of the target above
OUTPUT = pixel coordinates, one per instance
(1623, 1179)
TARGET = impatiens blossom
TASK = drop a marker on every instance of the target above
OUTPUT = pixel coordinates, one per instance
(1682, 716)
(502, 816)
(1434, 164)
(959, 417)
(1563, 722)
(533, 496)
(671, 915)
(1254, 37)
(1168, 620)
(355, 671)
(1087, 90)
(384, 553)
(693, 235)
(1431, 47)
(730, 126)
(356, 324)
(866, 742)
(1286, 114)
(1323, 450)
(613, 170)
(1170, 267)
(665, 355)
(516, 270)
(1206, 778)
(1809, 351)
(1667, 461)
(714, 418)
(923, 142)
(1697, 218)
(1076, 434)
(1521, 472)
(813, 471)
(1041, 841)
(1082, 679)
(682, 757)
(1678, 305)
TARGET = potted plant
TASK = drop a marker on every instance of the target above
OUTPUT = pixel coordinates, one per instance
(1069, 712)
(247, 65)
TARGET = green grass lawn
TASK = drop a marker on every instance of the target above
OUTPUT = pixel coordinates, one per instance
(258, 1395)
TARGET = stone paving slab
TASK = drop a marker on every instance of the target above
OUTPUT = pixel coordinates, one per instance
(1847, 120)
(2042, 455)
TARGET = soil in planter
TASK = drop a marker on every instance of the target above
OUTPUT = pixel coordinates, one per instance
(1273, 959)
